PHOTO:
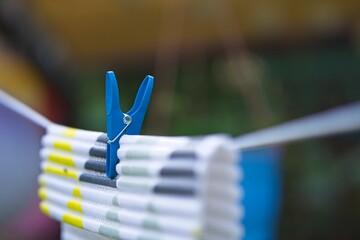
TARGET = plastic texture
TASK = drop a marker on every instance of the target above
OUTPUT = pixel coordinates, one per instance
(114, 116)
(263, 187)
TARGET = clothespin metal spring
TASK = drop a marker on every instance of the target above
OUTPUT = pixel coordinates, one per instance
(127, 121)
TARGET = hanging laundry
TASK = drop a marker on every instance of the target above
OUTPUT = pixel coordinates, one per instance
(166, 187)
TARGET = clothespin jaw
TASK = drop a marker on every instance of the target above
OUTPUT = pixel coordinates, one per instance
(117, 122)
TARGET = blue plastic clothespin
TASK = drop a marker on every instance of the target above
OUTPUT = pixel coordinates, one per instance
(119, 123)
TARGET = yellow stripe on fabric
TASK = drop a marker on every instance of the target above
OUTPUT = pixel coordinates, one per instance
(75, 205)
(197, 233)
(73, 220)
(42, 183)
(69, 132)
(65, 160)
(61, 171)
(44, 208)
(42, 193)
(76, 192)
(62, 145)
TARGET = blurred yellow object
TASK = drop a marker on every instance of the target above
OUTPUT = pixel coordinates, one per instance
(129, 29)
(21, 80)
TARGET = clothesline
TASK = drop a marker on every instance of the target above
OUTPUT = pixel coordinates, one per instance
(335, 121)
(23, 110)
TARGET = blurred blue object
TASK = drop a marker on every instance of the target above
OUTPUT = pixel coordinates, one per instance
(119, 123)
(20, 144)
(262, 185)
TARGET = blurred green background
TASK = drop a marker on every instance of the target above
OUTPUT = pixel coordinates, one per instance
(219, 66)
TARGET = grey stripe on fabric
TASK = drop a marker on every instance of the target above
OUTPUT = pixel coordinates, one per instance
(103, 138)
(97, 179)
(173, 189)
(183, 154)
(98, 151)
(95, 165)
(177, 172)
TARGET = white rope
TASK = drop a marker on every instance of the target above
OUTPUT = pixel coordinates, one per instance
(23, 110)
(339, 120)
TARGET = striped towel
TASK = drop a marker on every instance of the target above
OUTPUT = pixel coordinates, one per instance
(180, 188)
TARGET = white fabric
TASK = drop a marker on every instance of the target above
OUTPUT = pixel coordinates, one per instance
(180, 188)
